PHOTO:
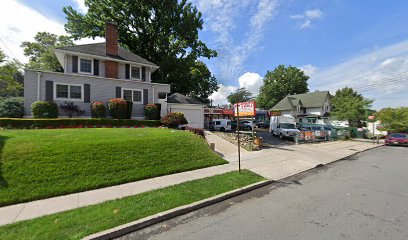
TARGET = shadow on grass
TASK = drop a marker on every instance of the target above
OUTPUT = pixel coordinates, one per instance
(3, 182)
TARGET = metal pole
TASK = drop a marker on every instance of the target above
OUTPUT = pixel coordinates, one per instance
(239, 149)
(253, 127)
(373, 134)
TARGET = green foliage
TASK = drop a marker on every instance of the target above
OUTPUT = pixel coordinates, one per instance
(118, 108)
(71, 109)
(98, 109)
(99, 217)
(240, 95)
(11, 78)
(75, 122)
(40, 52)
(44, 109)
(174, 119)
(43, 163)
(349, 105)
(152, 111)
(202, 82)
(164, 32)
(12, 107)
(393, 119)
(279, 83)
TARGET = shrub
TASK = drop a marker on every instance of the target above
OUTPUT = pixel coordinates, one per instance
(117, 108)
(70, 108)
(198, 131)
(12, 107)
(44, 109)
(152, 112)
(74, 122)
(98, 109)
(174, 119)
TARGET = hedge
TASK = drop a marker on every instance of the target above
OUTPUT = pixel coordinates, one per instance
(65, 122)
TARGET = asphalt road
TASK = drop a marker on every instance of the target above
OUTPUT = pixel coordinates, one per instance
(364, 197)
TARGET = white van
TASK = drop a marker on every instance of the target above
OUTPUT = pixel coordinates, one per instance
(220, 125)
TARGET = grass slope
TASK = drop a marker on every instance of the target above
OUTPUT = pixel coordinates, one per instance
(78, 223)
(36, 164)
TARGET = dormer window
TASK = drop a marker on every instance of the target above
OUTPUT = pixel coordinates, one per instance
(135, 72)
(85, 65)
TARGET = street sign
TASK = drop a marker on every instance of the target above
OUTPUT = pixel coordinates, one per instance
(245, 109)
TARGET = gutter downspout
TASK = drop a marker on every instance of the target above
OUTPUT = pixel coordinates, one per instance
(38, 85)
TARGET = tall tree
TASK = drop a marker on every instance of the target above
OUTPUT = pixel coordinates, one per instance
(279, 83)
(349, 105)
(393, 119)
(11, 78)
(40, 52)
(164, 32)
(240, 95)
(202, 82)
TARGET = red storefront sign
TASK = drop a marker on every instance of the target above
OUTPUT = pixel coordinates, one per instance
(228, 111)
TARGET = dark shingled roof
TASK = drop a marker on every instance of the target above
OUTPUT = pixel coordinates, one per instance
(180, 98)
(99, 49)
(312, 99)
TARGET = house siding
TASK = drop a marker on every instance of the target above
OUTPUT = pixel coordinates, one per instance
(101, 89)
(102, 69)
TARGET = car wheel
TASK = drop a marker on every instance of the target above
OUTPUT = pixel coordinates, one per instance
(281, 136)
(222, 129)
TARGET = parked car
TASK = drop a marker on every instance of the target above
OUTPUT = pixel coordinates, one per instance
(262, 124)
(221, 125)
(246, 125)
(397, 139)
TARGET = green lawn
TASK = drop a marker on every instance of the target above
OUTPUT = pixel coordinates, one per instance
(81, 222)
(36, 164)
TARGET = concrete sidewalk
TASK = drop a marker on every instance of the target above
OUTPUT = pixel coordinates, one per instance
(272, 163)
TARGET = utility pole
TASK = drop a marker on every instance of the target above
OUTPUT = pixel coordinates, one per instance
(239, 148)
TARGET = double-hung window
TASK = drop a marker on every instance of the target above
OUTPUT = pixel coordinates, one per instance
(133, 95)
(85, 65)
(135, 72)
(68, 91)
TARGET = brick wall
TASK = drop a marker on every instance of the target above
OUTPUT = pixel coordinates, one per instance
(111, 36)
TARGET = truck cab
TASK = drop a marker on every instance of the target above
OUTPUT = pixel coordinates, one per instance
(283, 127)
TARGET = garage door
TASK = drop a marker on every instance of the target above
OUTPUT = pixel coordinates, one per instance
(193, 116)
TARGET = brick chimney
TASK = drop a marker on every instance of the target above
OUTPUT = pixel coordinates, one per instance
(111, 36)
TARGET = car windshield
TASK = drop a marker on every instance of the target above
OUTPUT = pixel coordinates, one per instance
(398, 135)
(316, 128)
(288, 125)
(327, 128)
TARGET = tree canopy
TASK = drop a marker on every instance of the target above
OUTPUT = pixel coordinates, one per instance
(164, 32)
(279, 83)
(40, 51)
(394, 119)
(349, 105)
(11, 78)
(202, 82)
(240, 95)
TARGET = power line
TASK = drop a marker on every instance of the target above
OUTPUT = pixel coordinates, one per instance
(383, 81)
(5, 45)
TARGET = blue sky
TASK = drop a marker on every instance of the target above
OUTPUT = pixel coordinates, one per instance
(362, 44)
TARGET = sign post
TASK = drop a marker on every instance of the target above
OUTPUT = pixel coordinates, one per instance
(243, 109)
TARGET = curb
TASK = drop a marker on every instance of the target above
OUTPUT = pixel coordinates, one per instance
(163, 216)
(175, 212)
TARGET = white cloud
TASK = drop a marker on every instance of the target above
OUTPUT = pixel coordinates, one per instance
(313, 14)
(80, 5)
(309, 69)
(307, 17)
(22, 25)
(221, 16)
(220, 97)
(249, 80)
(378, 74)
